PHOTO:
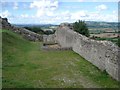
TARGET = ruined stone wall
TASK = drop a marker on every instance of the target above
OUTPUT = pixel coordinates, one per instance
(27, 34)
(49, 38)
(65, 36)
(103, 54)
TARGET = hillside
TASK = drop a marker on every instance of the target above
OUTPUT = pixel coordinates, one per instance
(94, 24)
(25, 64)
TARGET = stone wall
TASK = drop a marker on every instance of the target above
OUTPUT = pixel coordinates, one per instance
(47, 48)
(27, 34)
(49, 39)
(65, 36)
(103, 54)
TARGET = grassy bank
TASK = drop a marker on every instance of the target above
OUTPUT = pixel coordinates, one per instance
(25, 64)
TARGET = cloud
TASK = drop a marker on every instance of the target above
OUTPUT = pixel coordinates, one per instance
(94, 16)
(15, 6)
(89, 0)
(80, 0)
(24, 15)
(47, 11)
(115, 12)
(66, 16)
(5, 14)
(44, 7)
(64, 0)
(101, 7)
(44, 4)
(79, 15)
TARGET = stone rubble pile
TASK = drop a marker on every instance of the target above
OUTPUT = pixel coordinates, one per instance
(27, 34)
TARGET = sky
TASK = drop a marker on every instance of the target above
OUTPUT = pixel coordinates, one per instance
(58, 11)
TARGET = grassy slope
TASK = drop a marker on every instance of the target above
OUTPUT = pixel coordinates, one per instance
(0, 60)
(26, 65)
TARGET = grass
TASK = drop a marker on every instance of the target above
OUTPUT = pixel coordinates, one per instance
(114, 40)
(0, 60)
(26, 65)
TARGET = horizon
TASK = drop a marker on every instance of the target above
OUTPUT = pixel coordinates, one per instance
(59, 11)
(57, 24)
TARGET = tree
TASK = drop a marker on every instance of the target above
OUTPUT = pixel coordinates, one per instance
(81, 28)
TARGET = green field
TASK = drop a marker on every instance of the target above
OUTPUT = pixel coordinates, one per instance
(26, 65)
(114, 40)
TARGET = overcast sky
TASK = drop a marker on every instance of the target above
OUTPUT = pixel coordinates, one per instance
(58, 11)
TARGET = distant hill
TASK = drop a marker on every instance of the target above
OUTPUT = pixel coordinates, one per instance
(90, 24)
(93, 24)
(37, 25)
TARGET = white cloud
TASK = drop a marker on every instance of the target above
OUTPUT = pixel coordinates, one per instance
(64, 0)
(89, 0)
(46, 12)
(44, 7)
(80, 0)
(40, 12)
(94, 16)
(44, 4)
(5, 14)
(79, 15)
(66, 16)
(49, 13)
(115, 12)
(101, 7)
(15, 6)
(24, 15)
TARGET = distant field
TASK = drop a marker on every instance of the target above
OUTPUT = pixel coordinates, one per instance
(109, 34)
(105, 35)
(26, 65)
(102, 30)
